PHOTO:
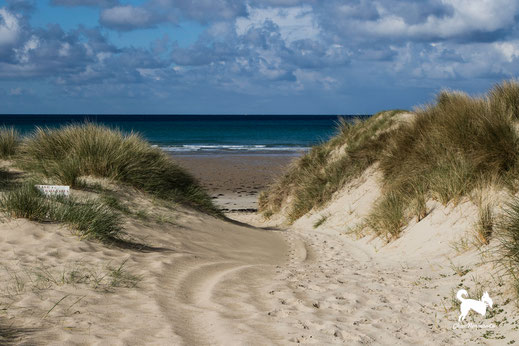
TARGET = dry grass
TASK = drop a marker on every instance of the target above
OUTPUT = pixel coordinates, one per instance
(90, 218)
(9, 142)
(67, 153)
(485, 224)
(314, 178)
(453, 146)
(508, 235)
(387, 217)
(448, 149)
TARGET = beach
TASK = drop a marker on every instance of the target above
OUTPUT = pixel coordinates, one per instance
(166, 246)
(235, 180)
(257, 173)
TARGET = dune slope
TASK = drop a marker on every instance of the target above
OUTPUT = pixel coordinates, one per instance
(200, 283)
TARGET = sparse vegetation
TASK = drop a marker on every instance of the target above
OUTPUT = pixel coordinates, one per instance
(485, 224)
(40, 277)
(387, 217)
(509, 240)
(321, 220)
(9, 142)
(115, 203)
(91, 218)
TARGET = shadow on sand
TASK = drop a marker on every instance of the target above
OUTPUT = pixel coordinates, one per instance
(11, 335)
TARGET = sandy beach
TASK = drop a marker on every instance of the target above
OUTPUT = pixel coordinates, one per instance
(235, 180)
(256, 173)
(203, 281)
(184, 273)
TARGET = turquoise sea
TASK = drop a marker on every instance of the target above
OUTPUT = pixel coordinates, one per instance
(204, 134)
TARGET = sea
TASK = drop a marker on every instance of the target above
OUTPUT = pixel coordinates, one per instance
(204, 134)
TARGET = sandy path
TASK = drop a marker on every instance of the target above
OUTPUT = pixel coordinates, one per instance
(220, 283)
(339, 294)
(215, 293)
(248, 288)
(335, 290)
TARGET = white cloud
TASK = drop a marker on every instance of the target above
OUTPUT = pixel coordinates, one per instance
(22, 54)
(510, 50)
(468, 16)
(126, 17)
(64, 50)
(295, 23)
(9, 27)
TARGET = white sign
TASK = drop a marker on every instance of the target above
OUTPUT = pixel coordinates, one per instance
(54, 190)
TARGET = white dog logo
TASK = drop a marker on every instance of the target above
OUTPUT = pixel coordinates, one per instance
(480, 306)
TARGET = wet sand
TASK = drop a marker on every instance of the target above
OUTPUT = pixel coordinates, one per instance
(235, 180)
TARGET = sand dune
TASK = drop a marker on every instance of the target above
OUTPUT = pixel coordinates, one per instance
(204, 281)
(204, 285)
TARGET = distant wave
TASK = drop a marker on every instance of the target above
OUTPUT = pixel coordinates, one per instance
(231, 148)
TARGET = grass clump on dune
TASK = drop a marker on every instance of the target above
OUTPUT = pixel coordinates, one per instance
(90, 218)
(386, 218)
(314, 178)
(26, 202)
(443, 152)
(72, 151)
(452, 146)
(9, 142)
(508, 250)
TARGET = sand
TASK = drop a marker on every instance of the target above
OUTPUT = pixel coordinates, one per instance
(250, 281)
(200, 284)
(235, 180)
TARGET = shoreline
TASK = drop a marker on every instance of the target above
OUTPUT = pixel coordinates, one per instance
(235, 180)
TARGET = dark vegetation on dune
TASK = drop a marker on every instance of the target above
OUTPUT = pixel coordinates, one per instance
(90, 218)
(453, 146)
(312, 179)
(66, 154)
(73, 151)
(443, 151)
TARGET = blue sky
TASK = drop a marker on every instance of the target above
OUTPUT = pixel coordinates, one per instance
(256, 56)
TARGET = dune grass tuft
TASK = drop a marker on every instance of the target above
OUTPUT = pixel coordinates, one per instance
(315, 177)
(321, 220)
(446, 150)
(485, 224)
(90, 218)
(67, 153)
(454, 145)
(26, 202)
(387, 216)
(508, 235)
(9, 142)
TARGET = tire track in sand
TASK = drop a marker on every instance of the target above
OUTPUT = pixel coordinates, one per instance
(218, 295)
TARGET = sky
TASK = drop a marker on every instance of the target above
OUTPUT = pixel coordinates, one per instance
(249, 57)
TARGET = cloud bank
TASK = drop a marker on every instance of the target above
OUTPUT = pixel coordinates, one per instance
(293, 56)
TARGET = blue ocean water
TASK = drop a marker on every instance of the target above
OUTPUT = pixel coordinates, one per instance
(203, 133)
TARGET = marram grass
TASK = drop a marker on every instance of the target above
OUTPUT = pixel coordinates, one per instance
(90, 218)
(9, 142)
(72, 151)
(314, 178)
(447, 149)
